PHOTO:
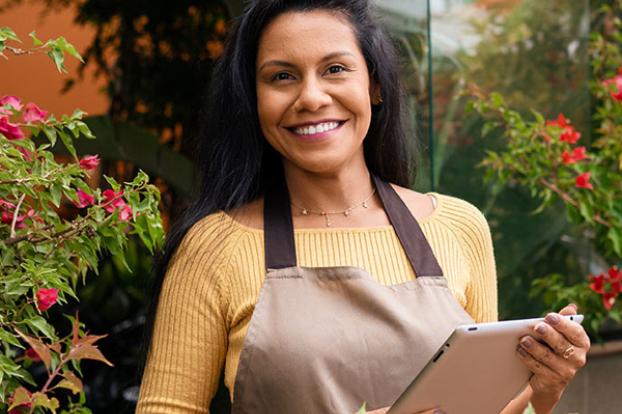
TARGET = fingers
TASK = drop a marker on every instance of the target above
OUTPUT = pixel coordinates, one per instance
(545, 363)
(571, 331)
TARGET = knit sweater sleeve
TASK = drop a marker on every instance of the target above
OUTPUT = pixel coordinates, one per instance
(472, 230)
(189, 342)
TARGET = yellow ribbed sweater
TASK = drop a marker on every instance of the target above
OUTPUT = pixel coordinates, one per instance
(213, 282)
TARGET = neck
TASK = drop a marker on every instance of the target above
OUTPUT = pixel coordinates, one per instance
(334, 191)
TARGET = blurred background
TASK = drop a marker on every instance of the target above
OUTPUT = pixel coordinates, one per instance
(147, 67)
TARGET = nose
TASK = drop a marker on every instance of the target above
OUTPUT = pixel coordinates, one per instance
(311, 96)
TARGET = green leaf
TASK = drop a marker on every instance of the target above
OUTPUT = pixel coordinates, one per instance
(58, 57)
(56, 194)
(39, 324)
(42, 400)
(35, 41)
(363, 409)
(68, 142)
(615, 235)
(71, 382)
(6, 33)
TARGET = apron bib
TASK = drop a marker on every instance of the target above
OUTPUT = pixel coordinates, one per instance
(325, 340)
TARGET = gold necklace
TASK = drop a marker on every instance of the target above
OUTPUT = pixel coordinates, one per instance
(326, 214)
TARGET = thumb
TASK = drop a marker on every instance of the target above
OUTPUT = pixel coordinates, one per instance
(570, 309)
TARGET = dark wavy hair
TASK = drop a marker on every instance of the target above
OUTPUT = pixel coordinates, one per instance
(235, 160)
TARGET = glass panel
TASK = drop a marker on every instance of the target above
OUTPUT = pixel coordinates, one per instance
(534, 53)
(407, 21)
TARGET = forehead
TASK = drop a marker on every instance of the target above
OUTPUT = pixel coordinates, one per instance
(306, 34)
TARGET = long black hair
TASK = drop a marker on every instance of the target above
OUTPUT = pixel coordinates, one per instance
(233, 157)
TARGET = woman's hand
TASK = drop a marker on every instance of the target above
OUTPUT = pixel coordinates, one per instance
(555, 364)
(384, 410)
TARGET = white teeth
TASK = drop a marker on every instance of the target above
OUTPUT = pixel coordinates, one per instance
(314, 129)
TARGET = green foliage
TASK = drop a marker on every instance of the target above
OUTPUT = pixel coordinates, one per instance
(48, 247)
(545, 158)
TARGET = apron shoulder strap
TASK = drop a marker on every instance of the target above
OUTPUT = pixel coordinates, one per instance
(417, 248)
(279, 244)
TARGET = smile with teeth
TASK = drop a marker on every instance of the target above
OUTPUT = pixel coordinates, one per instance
(316, 129)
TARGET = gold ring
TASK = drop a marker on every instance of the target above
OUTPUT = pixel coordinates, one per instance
(569, 351)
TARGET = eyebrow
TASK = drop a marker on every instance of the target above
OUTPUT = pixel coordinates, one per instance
(290, 65)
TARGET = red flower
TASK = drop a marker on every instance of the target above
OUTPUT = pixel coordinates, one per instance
(561, 122)
(84, 199)
(583, 181)
(32, 113)
(32, 354)
(89, 163)
(616, 90)
(607, 285)
(14, 101)
(570, 135)
(578, 154)
(46, 298)
(9, 130)
(7, 218)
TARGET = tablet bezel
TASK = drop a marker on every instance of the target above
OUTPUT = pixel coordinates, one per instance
(475, 360)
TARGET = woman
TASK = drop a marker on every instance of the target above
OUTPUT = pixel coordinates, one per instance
(305, 132)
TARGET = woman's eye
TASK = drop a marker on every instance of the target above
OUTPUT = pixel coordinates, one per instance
(281, 76)
(336, 69)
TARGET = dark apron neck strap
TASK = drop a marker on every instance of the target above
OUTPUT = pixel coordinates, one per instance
(279, 242)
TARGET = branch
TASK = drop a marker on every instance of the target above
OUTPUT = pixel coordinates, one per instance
(568, 199)
(16, 213)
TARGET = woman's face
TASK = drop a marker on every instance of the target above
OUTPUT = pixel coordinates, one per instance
(313, 91)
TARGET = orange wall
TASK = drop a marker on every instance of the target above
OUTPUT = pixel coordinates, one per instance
(34, 77)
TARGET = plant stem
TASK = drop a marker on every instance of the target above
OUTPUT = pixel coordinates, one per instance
(568, 199)
(16, 214)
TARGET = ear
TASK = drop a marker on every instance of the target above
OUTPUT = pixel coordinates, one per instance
(375, 93)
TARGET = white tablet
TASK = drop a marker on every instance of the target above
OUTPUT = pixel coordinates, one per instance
(475, 371)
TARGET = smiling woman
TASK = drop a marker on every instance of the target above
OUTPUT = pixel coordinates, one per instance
(306, 272)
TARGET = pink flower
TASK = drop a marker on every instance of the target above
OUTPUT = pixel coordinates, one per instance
(14, 101)
(125, 213)
(113, 200)
(116, 202)
(46, 298)
(32, 113)
(9, 130)
(89, 163)
(5, 205)
(84, 199)
(616, 90)
(27, 155)
(583, 181)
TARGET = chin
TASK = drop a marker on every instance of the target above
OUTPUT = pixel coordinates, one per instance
(320, 166)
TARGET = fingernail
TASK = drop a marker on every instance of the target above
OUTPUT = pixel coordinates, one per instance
(552, 318)
(438, 411)
(526, 342)
(541, 328)
(521, 351)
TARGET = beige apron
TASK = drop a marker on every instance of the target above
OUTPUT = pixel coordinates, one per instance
(325, 340)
